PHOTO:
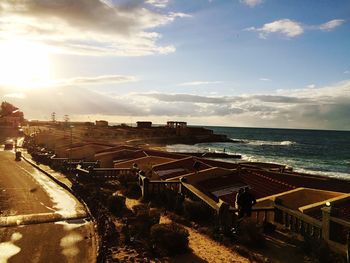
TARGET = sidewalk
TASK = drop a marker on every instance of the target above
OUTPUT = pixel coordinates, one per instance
(56, 176)
(65, 183)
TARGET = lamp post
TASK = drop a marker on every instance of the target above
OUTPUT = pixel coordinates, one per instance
(71, 141)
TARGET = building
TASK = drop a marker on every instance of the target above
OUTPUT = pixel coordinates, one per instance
(101, 123)
(176, 124)
(144, 124)
(13, 119)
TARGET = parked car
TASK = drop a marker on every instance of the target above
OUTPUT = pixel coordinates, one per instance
(8, 145)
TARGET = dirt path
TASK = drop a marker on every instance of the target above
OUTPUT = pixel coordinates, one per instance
(205, 249)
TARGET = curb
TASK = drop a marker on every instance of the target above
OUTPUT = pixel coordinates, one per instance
(49, 175)
(89, 214)
(31, 219)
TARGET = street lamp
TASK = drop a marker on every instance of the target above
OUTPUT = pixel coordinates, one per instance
(71, 141)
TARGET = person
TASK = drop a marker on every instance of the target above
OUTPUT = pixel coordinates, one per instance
(239, 205)
(246, 202)
(238, 201)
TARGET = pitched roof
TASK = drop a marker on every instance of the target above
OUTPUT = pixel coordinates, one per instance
(165, 154)
(179, 167)
(145, 161)
(119, 147)
(225, 187)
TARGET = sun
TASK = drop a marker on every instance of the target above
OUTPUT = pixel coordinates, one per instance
(24, 65)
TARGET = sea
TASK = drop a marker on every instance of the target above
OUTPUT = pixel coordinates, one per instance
(321, 152)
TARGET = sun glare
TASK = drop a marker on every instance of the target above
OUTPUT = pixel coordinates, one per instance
(23, 65)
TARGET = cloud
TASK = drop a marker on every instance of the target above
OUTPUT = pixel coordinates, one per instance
(15, 95)
(311, 86)
(265, 79)
(290, 28)
(94, 80)
(158, 3)
(185, 98)
(332, 24)
(285, 27)
(199, 83)
(78, 81)
(347, 72)
(83, 27)
(252, 3)
(279, 99)
(325, 107)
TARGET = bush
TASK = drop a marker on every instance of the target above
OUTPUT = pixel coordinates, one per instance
(179, 219)
(116, 204)
(197, 211)
(250, 234)
(145, 218)
(133, 191)
(169, 239)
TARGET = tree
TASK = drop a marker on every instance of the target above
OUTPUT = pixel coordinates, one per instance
(7, 108)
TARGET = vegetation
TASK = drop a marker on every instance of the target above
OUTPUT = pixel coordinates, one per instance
(116, 204)
(7, 108)
(197, 211)
(250, 233)
(169, 239)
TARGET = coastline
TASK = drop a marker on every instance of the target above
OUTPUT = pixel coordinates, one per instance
(271, 174)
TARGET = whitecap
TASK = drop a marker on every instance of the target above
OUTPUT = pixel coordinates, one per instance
(338, 175)
(274, 143)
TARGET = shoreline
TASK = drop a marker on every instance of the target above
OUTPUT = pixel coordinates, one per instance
(255, 157)
(270, 173)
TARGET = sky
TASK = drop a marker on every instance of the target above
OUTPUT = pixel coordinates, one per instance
(241, 63)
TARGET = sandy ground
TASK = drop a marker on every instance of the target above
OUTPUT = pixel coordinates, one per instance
(203, 248)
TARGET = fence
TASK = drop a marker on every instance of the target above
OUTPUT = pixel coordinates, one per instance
(259, 214)
(152, 188)
(103, 173)
(298, 222)
(337, 232)
(224, 214)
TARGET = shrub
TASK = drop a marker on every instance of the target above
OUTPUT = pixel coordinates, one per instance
(133, 191)
(169, 239)
(250, 234)
(145, 218)
(116, 204)
(197, 211)
(179, 219)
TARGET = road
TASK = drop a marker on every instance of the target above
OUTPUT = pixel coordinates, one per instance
(40, 221)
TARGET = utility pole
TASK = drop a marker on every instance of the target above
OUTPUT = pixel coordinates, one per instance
(71, 142)
(66, 119)
(53, 117)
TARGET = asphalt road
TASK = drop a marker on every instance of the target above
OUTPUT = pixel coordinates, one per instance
(40, 221)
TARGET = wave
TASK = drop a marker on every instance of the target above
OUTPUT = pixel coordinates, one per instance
(261, 143)
(297, 167)
(183, 148)
(330, 174)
